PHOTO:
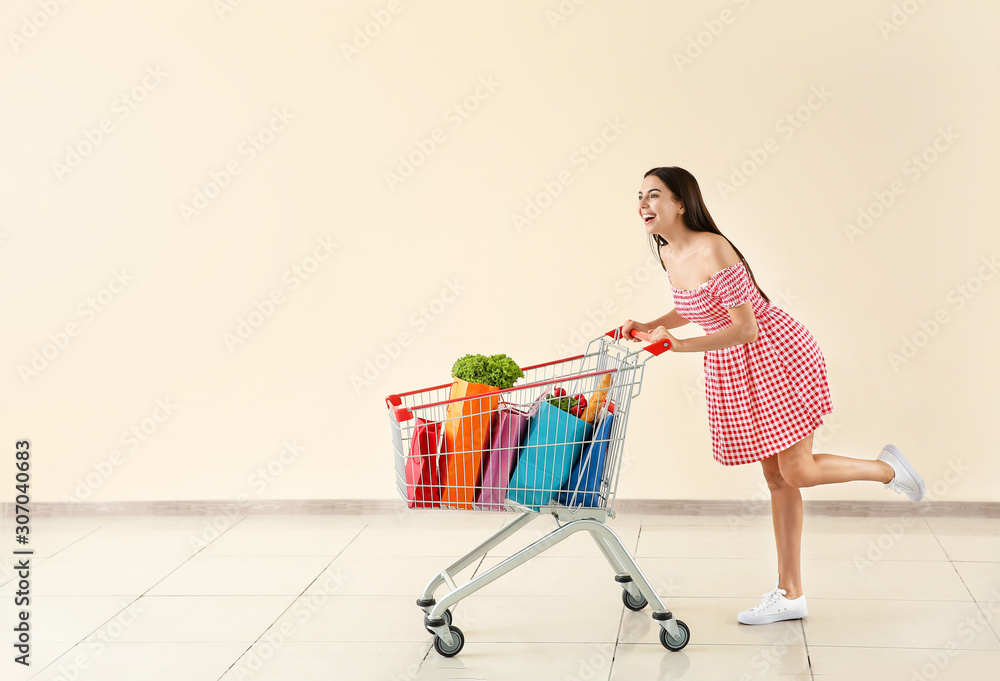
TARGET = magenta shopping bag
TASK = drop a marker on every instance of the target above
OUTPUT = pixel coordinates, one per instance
(509, 429)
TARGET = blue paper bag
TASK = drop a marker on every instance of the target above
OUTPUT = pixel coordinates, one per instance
(584, 485)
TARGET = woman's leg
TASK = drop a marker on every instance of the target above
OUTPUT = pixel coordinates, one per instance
(801, 468)
(786, 515)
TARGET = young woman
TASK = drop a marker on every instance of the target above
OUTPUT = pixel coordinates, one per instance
(765, 377)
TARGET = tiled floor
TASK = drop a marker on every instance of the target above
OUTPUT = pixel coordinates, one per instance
(296, 598)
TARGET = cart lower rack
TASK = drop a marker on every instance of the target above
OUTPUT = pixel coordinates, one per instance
(551, 445)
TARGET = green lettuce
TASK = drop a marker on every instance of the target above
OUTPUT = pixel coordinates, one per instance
(499, 371)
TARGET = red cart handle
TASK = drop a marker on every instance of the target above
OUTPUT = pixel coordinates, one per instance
(655, 348)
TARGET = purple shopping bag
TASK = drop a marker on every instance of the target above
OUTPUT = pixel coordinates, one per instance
(510, 425)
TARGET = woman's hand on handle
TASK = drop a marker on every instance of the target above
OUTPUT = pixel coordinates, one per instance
(629, 326)
(660, 333)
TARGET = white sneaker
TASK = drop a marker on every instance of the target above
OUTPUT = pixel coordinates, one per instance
(774, 607)
(906, 480)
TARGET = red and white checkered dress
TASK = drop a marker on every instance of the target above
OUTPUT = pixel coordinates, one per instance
(763, 396)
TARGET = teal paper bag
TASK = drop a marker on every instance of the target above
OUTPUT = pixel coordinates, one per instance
(554, 442)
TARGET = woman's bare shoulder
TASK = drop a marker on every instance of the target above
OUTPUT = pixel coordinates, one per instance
(717, 252)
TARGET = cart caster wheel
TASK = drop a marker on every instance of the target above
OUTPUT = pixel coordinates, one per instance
(676, 644)
(633, 603)
(447, 619)
(453, 650)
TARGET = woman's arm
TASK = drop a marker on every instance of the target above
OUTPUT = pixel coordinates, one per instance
(671, 320)
(742, 330)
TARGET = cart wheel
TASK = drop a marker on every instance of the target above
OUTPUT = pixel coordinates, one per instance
(453, 650)
(676, 644)
(633, 603)
(447, 620)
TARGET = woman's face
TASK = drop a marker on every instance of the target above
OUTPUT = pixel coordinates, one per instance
(659, 209)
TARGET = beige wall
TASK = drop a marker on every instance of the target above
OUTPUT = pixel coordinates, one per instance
(351, 254)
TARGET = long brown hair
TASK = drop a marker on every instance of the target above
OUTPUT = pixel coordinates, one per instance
(696, 217)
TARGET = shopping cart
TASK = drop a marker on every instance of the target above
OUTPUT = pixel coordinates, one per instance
(447, 452)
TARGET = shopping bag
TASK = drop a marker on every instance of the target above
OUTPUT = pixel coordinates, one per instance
(509, 429)
(423, 466)
(466, 437)
(555, 440)
(584, 485)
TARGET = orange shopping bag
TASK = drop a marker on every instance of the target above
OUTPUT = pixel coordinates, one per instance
(466, 436)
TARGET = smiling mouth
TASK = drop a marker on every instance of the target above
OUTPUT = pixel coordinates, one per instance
(647, 218)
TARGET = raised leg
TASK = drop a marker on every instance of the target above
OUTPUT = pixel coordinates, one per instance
(801, 468)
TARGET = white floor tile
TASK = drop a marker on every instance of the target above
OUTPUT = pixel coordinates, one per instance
(982, 580)
(892, 540)
(959, 523)
(242, 576)
(104, 576)
(735, 522)
(250, 538)
(522, 661)
(712, 621)
(538, 619)
(883, 580)
(71, 618)
(546, 575)
(579, 544)
(202, 618)
(899, 624)
(277, 660)
(784, 662)
(381, 576)
(745, 578)
(187, 660)
(386, 540)
(42, 654)
(48, 536)
(971, 545)
(319, 617)
(906, 664)
(706, 542)
(116, 542)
